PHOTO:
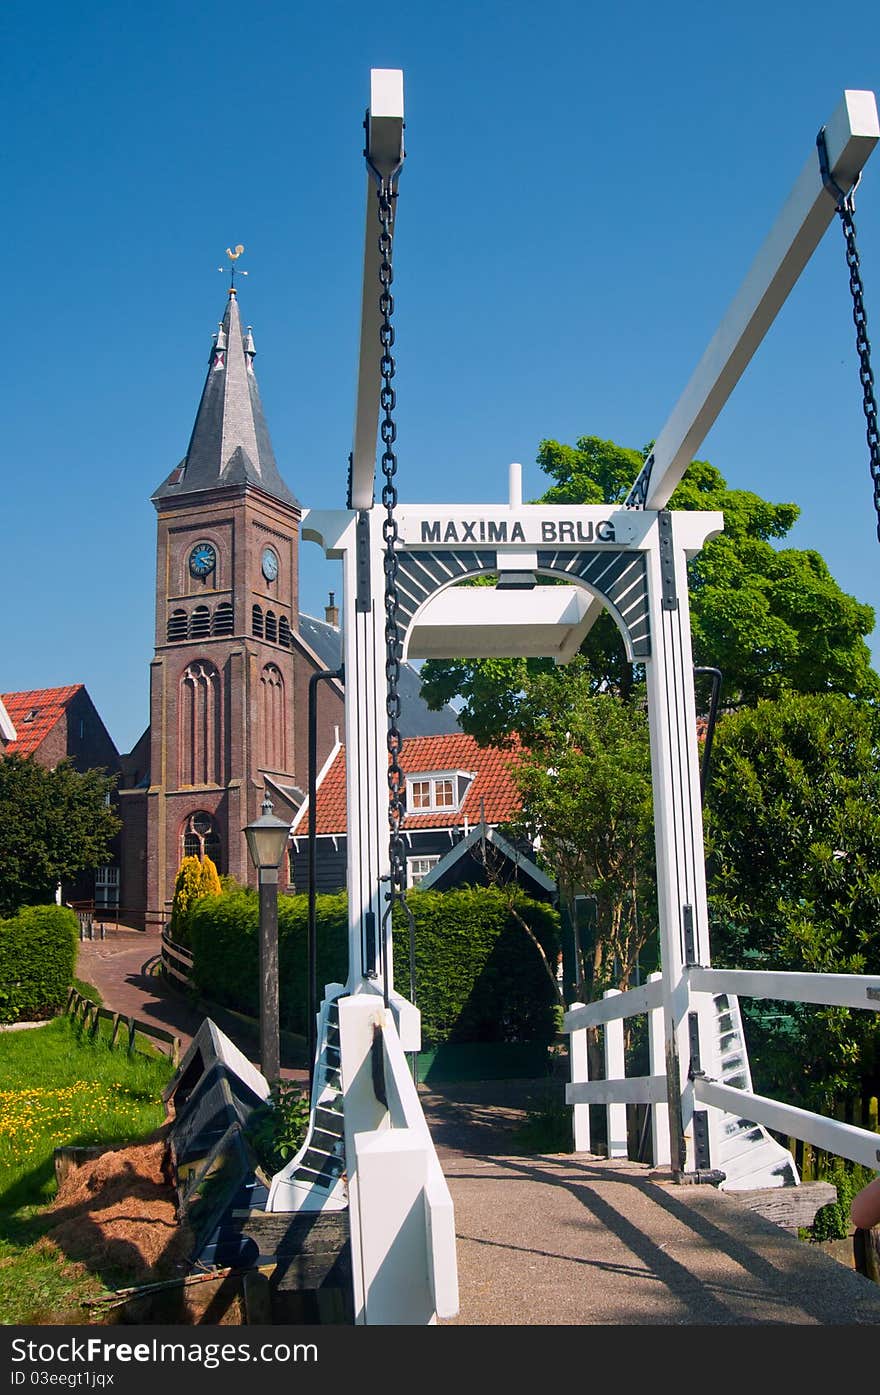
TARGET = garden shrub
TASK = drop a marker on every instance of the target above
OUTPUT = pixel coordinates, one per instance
(37, 959)
(195, 878)
(224, 937)
(478, 978)
(209, 878)
(832, 1222)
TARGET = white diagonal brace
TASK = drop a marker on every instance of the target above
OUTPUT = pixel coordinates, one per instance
(384, 151)
(850, 136)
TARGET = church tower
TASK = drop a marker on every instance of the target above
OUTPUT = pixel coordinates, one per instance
(222, 689)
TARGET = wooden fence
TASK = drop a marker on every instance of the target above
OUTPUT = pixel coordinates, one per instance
(177, 960)
(89, 1014)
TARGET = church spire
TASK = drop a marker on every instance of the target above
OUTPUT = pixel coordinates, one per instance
(230, 442)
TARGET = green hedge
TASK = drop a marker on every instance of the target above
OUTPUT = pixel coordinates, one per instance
(224, 939)
(37, 959)
(478, 977)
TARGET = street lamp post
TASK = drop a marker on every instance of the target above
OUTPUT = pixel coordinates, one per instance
(267, 838)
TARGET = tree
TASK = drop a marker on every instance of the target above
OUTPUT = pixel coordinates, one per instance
(773, 620)
(196, 877)
(55, 825)
(584, 783)
(209, 878)
(793, 847)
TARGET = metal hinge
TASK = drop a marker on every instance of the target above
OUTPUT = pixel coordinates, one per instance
(669, 594)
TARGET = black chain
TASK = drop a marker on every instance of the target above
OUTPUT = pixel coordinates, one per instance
(846, 211)
(388, 433)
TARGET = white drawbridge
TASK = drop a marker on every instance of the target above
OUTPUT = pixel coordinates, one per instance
(368, 1147)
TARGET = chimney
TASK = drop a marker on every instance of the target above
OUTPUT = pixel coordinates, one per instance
(331, 612)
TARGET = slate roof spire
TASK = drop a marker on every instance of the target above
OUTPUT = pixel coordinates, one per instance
(230, 442)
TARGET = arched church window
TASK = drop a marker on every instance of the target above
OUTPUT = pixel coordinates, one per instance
(274, 741)
(257, 622)
(284, 631)
(177, 626)
(200, 838)
(271, 627)
(223, 623)
(200, 622)
(200, 725)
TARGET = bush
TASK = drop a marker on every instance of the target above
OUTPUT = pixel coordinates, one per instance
(832, 1222)
(37, 958)
(224, 937)
(477, 976)
(209, 879)
(195, 878)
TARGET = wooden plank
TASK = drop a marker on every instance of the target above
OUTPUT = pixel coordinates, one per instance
(845, 1140)
(790, 1207)
(257, 1298)
(311, 1271)
(634, 1089)
(830, 990)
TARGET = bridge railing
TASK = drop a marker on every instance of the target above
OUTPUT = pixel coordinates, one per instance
(616, 1090)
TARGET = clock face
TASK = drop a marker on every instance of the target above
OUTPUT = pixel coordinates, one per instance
(269, 564)
(202, 560)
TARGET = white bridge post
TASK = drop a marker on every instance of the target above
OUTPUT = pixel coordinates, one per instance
(678, 821)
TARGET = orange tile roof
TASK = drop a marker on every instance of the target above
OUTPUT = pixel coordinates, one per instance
(492, 784)
(48, 706)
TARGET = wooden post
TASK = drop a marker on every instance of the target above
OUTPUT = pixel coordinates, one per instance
(131, 1030)
(117, 1017)
(580, 1073)
(657, 1066)
(615, 1069)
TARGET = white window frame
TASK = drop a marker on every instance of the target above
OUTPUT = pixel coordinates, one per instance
(430, 858)
(107, 884)
(434, 777)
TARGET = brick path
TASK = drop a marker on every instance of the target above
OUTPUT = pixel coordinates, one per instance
(121, 968)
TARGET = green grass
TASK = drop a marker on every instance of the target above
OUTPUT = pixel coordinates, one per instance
(87, 990)
(60, 1087)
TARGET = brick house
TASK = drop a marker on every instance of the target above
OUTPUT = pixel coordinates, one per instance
(54, 724)
(458, 796)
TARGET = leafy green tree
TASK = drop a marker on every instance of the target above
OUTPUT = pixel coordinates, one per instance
(793, 845)
(773, 620)
(54, 825)
(584, 782)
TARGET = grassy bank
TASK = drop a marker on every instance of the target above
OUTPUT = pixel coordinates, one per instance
(59, 1088)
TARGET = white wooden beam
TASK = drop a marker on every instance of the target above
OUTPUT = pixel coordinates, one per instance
(830, 990)
(384, 150)
(850, 134)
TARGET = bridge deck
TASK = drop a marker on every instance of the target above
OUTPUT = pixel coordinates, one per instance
(572, 1238)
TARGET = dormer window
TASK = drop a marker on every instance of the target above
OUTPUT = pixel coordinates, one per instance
(437, 791)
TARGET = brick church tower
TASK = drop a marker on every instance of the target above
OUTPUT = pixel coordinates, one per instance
(225, 687)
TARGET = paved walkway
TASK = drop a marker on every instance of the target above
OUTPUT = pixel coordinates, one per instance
(122, 968)
(565, 1239)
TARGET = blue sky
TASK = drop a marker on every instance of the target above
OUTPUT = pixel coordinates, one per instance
(585, 187)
